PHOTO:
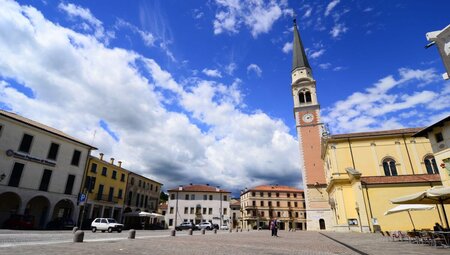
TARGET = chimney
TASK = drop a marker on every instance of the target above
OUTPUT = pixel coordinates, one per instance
(120, 163)
(217, 189)
(101, 156)
(112, 161)
(207, 184)
(190, 183)
(180, 188)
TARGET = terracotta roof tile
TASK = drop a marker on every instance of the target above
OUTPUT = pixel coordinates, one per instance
(199, 188)
(417, 178)
(163, 206)
(274, 188)
(377, 133)
(237, 203)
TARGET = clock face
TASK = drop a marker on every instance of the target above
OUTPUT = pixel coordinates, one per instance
(308, 117)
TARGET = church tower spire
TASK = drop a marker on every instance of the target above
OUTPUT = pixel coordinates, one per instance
(299, 59)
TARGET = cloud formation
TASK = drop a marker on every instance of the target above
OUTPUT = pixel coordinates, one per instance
(255, 69)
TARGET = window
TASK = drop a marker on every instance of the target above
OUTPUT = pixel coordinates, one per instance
(170, 222)
(295, 204)
(142, 201)
(156, 188)
(278, 203)
(25, 144)
(192, 210)
(16, 175)
(278, 214)
(186, 196)
(104, 171)
(225, 198)
(130, 196)
(430, 164)
(301, 97)
(296, 214)
(89, 184)
(94, 168)
(140, 183)
(304, 96)
(45, 180)
(288, 194)
(53, 151)
(290, 214)
(439, 137)
(225, 211)
(151, 186)
(253, 194)
(122, 178)
(186, 210)
(210, 197)
(254, 203)
(389, 167)
(262, 203)
(277, 194)
(100, 192)
(210, 211)
(111, 194)
(114, 175)
(172, 196)
(146, 201)
(137, 200)
(192, 196)
(132, 181)
(204, 210)
(76, 158)
(289, 204)
(261, 194)
(308, 97)
(69, 184)
(205, 197)
(270, 203)
(171, 210)
(262, 213)
(269, 194)
(295, 194)
(119, 195)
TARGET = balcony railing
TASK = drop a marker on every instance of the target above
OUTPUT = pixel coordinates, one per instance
(106, 198)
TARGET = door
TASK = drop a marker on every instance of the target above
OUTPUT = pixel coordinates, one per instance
(322, 223)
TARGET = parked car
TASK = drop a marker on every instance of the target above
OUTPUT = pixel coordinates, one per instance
(186, 225)
(205, 225)
(106, 224)
(224, 227)
(60, 223)
(19, 221)
(215, 226)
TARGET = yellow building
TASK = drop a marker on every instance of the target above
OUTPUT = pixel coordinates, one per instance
(263, 203)
(439, 135)
(105, 184)
(365, 170)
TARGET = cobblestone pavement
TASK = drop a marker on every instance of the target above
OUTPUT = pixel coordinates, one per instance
(253, 242)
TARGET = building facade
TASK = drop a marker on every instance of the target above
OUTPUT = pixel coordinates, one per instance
(236, 213)
(142, 194)
(198, 203)
(439, 136)
(41, 170)
(365, 170)
(309, 130)
(264, 203)
(105, 184)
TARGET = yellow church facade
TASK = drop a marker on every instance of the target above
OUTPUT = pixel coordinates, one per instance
(364, 171)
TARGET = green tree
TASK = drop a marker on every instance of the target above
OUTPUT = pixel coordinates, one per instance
(163, 197)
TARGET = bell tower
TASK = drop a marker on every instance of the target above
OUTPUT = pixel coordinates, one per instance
(309, 130)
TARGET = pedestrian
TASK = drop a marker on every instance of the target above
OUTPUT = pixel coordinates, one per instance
(272, 227)
(275, 226)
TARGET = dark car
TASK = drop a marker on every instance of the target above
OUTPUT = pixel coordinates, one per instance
(61, 223)
(186, 225)
(215, 226)
(18, 221)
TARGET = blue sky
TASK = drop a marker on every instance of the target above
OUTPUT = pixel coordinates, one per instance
(199, 91)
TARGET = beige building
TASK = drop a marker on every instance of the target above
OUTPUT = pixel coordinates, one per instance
(439, 136)
(142, 194)
(364, 171)
(263, 203)
(236, 213)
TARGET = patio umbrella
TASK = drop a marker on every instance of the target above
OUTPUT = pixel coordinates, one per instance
(435, 195)
(409, 208)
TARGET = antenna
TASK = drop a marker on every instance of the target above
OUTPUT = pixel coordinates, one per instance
(93, 136)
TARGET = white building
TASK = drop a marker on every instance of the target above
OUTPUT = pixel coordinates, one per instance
(41, 170)
(198, 203)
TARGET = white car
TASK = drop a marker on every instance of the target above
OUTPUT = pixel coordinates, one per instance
(205, 225)
(106, 224)
(224, 227)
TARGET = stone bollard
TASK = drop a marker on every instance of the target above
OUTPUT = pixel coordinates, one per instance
(237, 230)
(74, 230)
(172, 233)
(230, 230)
(203, 231)
(215, 231)
(190, 232)
(78, 236)
(132, 234)
(248, 230)
(241, 229)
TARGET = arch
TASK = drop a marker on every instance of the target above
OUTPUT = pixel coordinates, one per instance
(38, 207)
(10, 205)
(301, 97)
(389, 166)
(322, 224)
(63, 209)
(430, 164)
(308, 97)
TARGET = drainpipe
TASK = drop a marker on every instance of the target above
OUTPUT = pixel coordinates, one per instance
(365, 205)
(407, 152)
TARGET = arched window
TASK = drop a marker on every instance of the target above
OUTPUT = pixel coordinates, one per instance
(304, 96)
(389, 167)
(301, 97)
(308, 97)
(430, 164)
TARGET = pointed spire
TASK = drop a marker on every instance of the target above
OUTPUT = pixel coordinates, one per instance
(299, 58)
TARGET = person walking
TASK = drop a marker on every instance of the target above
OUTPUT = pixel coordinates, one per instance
(275, 226)
(272, 227)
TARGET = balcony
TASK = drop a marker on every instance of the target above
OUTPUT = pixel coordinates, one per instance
(106, 198)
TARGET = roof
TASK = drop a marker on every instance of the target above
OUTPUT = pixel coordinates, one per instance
(141, 176)
(425, 131)
(274, 188)
(43, 127)
(416, 178)
(237, 203)
(199, 188)
(377, 133)
(299, 57)
(163, 206)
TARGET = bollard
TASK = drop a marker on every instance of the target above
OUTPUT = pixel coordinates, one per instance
(215, 231)
(203, 231)
(78, 236)
(74, 230)
(237, 230)
(132, 234)
(190, 231)
(241, 229)
(172, 233)
(248, 230)
(230, 230)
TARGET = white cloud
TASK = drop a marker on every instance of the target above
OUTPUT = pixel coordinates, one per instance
(254, 68)
(258, 16)
(384, 105)
(308, 12)
(230, 68)
(368, 9)
(338, 30)
(331, 6)
(287, 47)
(147, 37)
(316, 54)
(325, 65)
(233, 148)
(212, 73)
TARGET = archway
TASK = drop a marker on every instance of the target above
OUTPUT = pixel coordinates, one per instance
(322, 224)
(10, 205)
(63, 209)
(38, 207)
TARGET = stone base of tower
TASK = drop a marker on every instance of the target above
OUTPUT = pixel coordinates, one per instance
(319, 220)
